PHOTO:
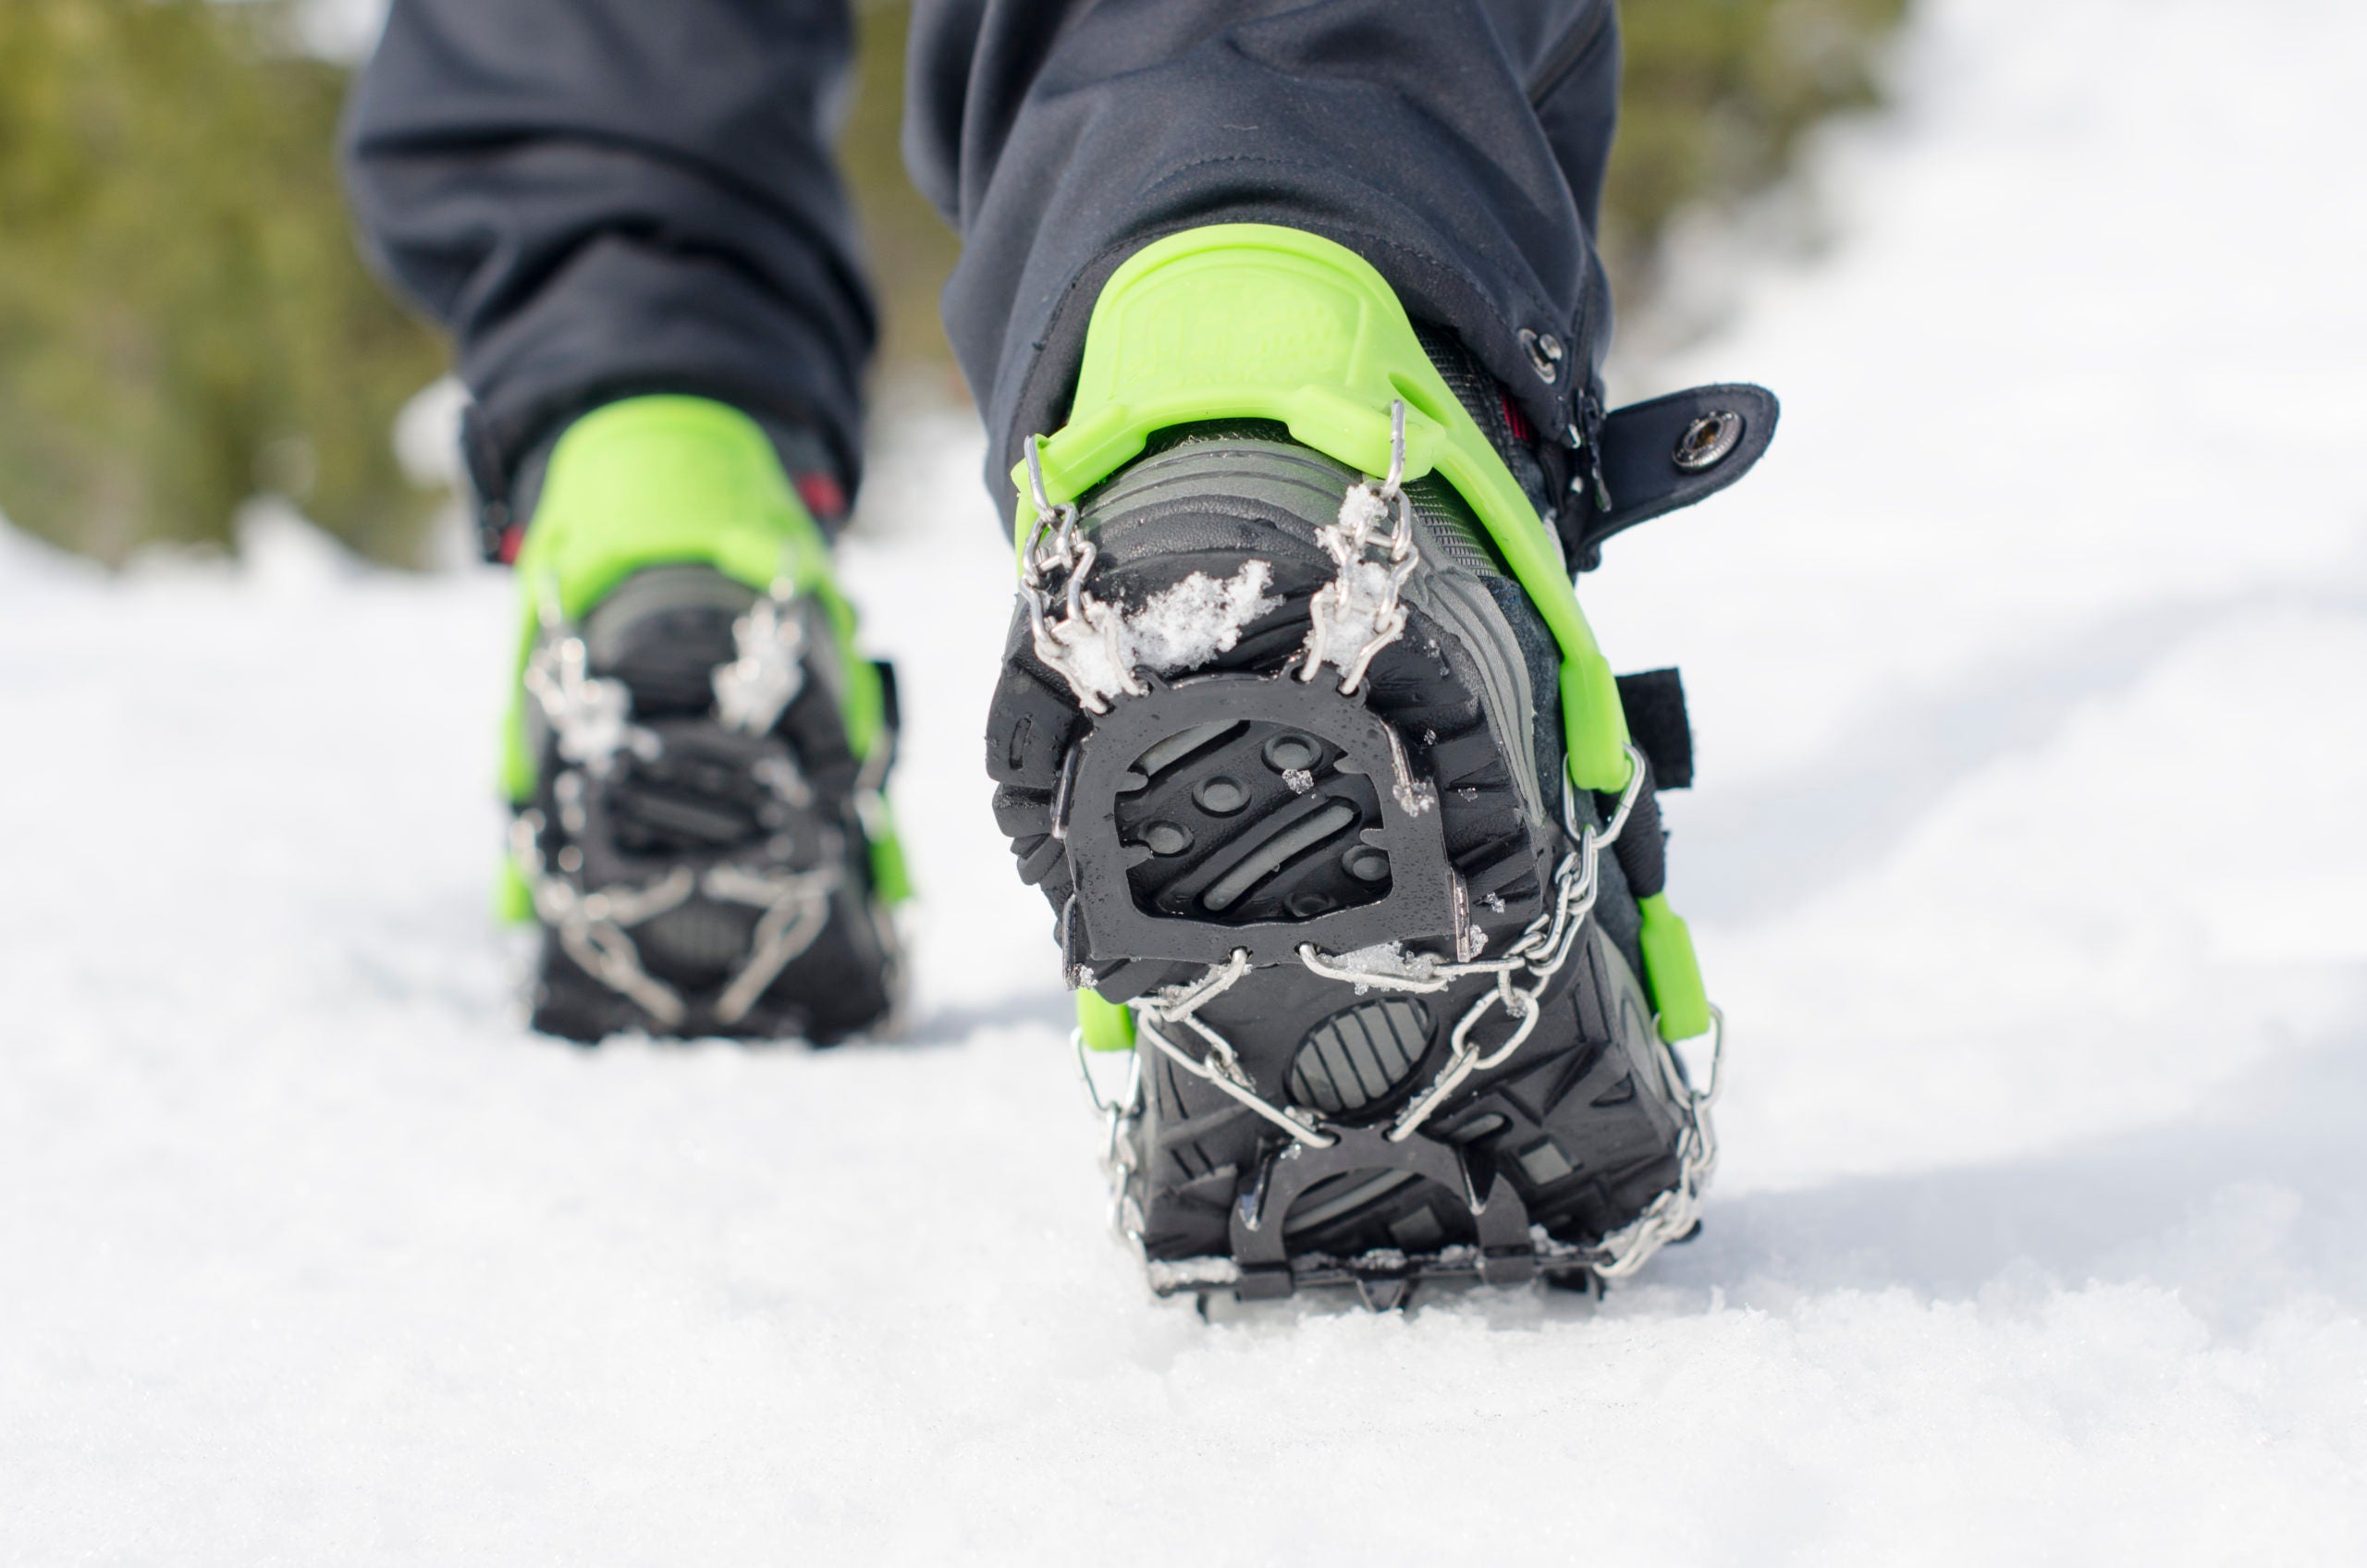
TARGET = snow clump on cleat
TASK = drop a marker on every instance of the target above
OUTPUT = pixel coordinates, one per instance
(1304, 738)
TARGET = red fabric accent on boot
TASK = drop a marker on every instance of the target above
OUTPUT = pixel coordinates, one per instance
(1514, 421)
(823, 495)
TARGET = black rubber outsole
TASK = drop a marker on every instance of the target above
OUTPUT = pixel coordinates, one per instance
(703, 802)
(1236, 808)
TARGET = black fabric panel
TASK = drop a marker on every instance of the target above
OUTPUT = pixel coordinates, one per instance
(1062, 136)
(1637, 449)
(1654, 701)
(601, 197)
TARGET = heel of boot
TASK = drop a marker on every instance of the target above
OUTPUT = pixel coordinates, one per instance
(694, 848)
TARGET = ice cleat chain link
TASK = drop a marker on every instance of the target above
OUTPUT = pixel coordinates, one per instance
(755, 689)
(1674, 1214)
(796, 905)
(591, 719)
(1540, 1014)
(594, 926)
(1352, 619)
(1221, 1065)
(1540, 952)
(1358, 614)
(1088, 644)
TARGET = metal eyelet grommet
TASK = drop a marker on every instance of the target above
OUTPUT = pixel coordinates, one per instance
(1707, 440)
(1544, 352)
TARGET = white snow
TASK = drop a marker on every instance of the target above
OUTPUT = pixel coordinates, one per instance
(1180, 627)
(1358, 609)
(1387, 959)
(1185, 626)
(2027, 860)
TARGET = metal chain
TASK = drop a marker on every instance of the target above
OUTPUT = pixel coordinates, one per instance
(592, 720)
(1121, 1115)
(751, 694)
(1220, 1066)
(1542, 948)
(591, 927)
(590, 716)
(1363, 604)
(1090, 632)
(1351, 618)
(1672, 1215)
(1359, 607)
(753, 689)
(796, 907)
(595, 927)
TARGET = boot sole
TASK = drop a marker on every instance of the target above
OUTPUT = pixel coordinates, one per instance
(1234, 816)
(726, 873)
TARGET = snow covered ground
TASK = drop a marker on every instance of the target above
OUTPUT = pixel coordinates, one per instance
(2027, 860)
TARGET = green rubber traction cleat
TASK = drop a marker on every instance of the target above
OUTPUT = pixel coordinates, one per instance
(696, 757)
(1304, 738)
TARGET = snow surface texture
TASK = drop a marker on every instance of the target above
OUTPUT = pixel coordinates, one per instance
(2027, 861)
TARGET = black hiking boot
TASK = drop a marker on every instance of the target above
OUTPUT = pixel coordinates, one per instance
(702, 833)
(1283, 744)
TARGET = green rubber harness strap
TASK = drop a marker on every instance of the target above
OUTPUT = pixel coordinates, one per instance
(1252, 321)
(668, 480)
(1106, 1025)
(1671, 973)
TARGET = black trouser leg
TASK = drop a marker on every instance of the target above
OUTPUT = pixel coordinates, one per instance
(1458, 145)
(601, 197)
(608, 197)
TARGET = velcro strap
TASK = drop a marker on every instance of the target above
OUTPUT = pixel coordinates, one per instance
(1654, 702)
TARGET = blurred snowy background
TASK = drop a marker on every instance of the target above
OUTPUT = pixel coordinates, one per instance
(2027, 859)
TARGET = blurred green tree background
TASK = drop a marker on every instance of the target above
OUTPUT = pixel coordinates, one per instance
(1717, 97)
(185, 321)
